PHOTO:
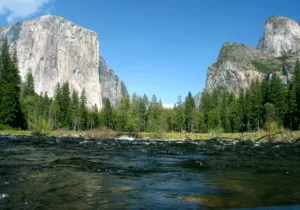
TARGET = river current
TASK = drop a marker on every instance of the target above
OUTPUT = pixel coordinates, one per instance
(68, 173)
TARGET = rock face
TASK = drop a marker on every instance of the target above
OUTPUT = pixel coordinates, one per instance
(56, 50)
(197, 99)
(234, 68)
(239, 64)
(112, 87)
(282, 35)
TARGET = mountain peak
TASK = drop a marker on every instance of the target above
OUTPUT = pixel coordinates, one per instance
(57, 50)
(239, 64)
(281, 35)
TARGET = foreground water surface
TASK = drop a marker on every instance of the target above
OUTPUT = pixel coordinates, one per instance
(66, 173)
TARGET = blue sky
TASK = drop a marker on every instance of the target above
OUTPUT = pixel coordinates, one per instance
(160, 47)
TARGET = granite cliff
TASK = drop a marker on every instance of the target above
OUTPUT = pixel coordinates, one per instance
(112, 87)
(238, 64)
(56, 50)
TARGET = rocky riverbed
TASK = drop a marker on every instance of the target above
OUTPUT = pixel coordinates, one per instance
(67, 173)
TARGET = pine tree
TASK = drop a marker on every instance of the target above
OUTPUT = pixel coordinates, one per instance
(28, 100)
(214, 118)
(154, 115)
(93, 117)
(83, 112)
(276, 96)
(234, 115)
(291, 104)
(241, 111)
(171, 114)
(295, 96)
(134, 118)
(270, 112)
(153, 100)
(195, 120)
(75, 115)
(56, 109)
(189, 106)
(142, 109)
(10, 83)
(107, 112)
(264, 91)
(28, 86)
(122, 114)
(204, 108)
(65, 105)
(225, 122)
(146, 100)
(256, 108)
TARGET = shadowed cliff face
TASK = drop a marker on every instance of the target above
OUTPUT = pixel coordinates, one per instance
(239, 64)
(57, 50)
(111, 85)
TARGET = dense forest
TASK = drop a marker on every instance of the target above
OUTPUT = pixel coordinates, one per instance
(265, 102)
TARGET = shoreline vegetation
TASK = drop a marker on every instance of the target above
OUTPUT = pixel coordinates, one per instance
(261, 136)
(267, 110)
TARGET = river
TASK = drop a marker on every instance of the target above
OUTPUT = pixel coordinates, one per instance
(68, 173)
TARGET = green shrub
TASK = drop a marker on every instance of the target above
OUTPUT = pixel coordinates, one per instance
(216, 133)
(263, 67)
(5, 127)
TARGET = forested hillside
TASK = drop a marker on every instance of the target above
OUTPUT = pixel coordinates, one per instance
(263, 103)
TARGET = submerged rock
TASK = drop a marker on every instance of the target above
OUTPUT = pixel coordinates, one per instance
(126, 138)
(3, 196)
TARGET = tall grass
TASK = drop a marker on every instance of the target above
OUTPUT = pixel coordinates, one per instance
(267, 134)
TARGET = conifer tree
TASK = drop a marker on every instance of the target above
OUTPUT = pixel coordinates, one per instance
(93, 117)
(146, 100)
(28, 86)
(234, 116)
(134, 118)
(57, 112)
(204, 109)
(28, 99)
(154, 115)
(143, 110)
(189, 106)
(179, 115)
(10, 83)
(256, 109)
(65, 105)
(276, 96)
(122, 114)
(295, 97)
(74, 110)
(83, 111)
(107, 112)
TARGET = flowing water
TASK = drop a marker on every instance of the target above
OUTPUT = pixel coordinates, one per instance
(66, 173)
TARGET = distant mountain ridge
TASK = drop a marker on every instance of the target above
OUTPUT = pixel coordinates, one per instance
(56, 50)
(276, 53)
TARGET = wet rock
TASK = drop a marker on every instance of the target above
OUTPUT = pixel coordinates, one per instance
(3, 195)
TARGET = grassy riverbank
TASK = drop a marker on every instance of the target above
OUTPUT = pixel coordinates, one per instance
(263, 136)
(104, 133)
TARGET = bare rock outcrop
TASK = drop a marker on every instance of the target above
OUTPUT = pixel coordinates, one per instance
(112, 87)
(239, 64)
(281, 36)
(56, 50)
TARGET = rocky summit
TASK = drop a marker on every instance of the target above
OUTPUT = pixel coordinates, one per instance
(56, 50)
(238, 64)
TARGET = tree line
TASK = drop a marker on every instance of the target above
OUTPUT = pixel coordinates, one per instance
(263, 102)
